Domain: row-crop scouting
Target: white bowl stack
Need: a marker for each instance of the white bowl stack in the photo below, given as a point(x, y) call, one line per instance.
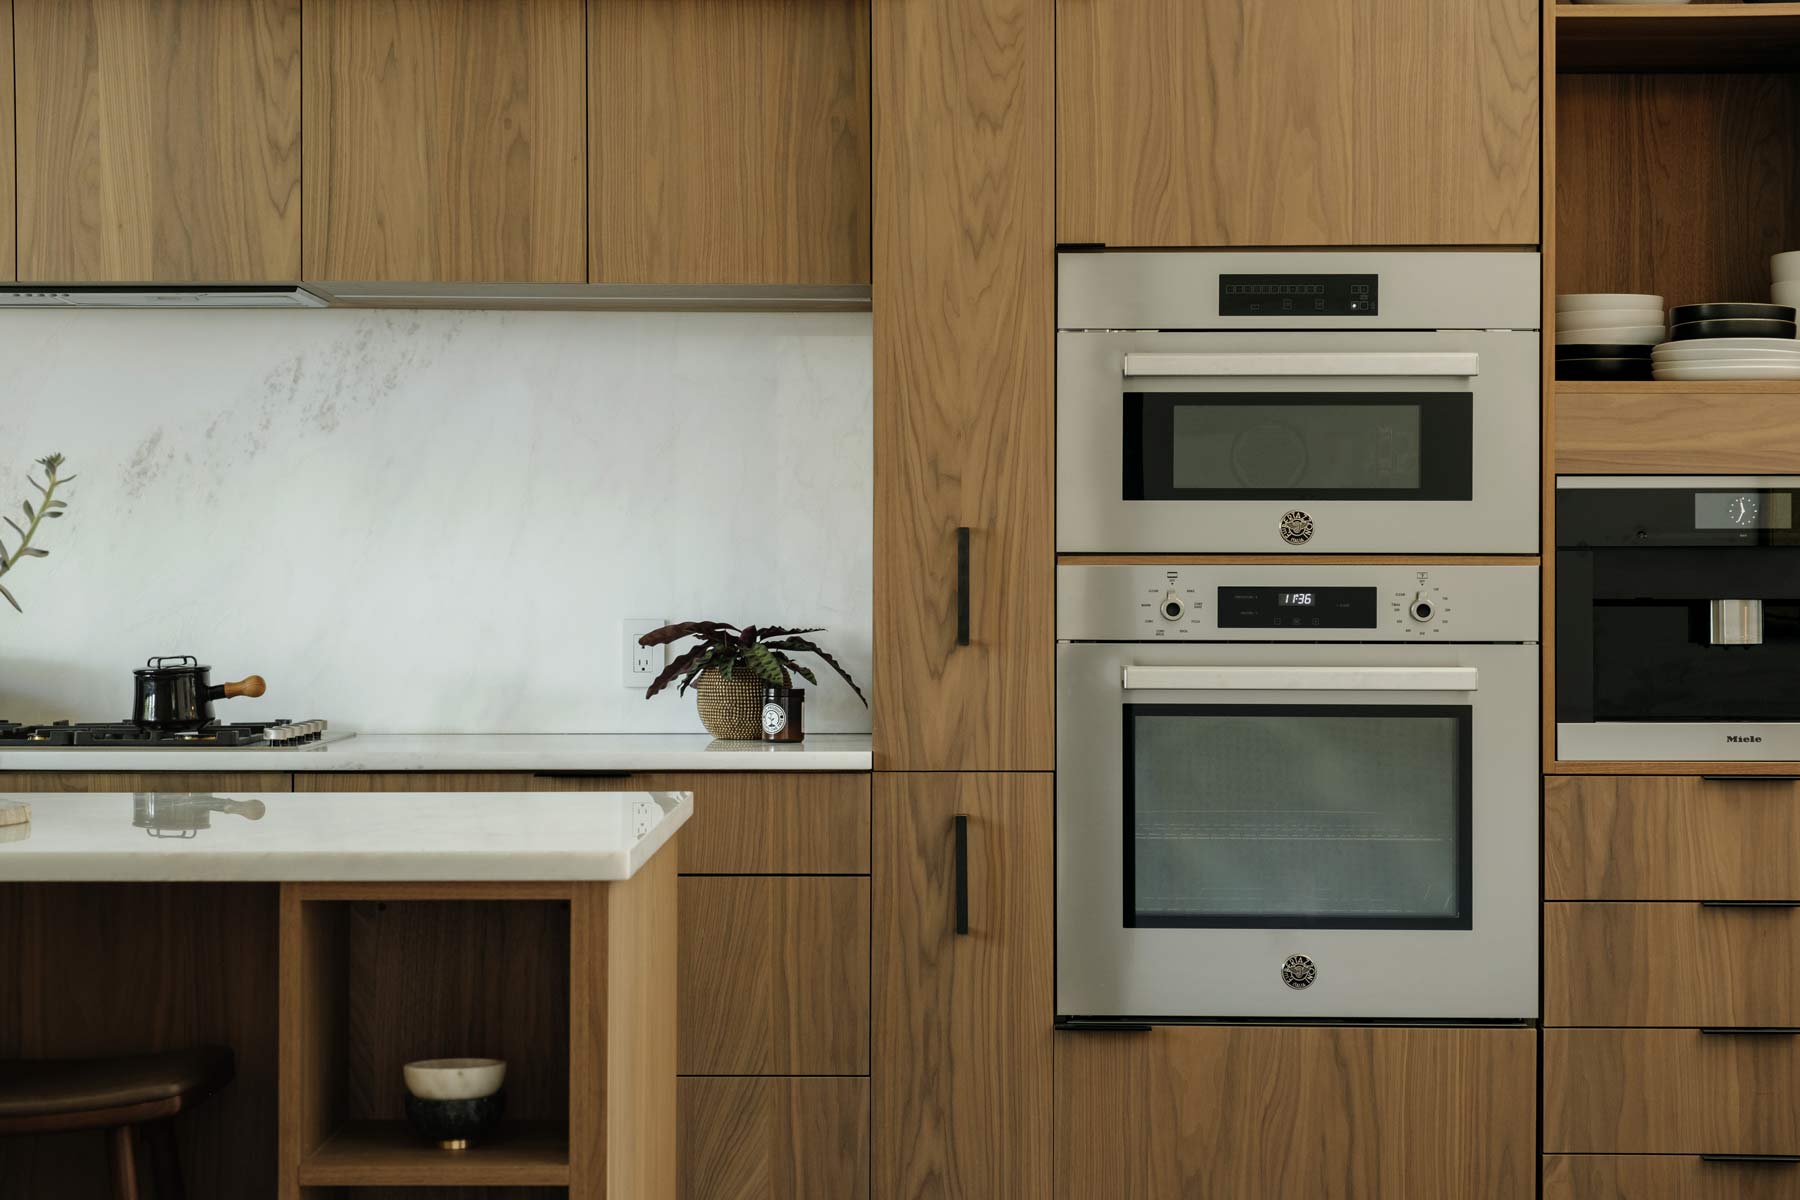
point(1785, 269)
point(1610, 319)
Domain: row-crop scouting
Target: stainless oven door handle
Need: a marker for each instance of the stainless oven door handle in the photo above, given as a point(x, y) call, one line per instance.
point(1300, 679)
point(1318, 365)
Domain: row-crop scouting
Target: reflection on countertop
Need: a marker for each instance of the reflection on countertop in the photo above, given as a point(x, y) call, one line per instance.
point(185, 814)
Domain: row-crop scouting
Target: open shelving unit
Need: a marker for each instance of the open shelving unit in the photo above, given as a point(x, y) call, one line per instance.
point(1681, 37)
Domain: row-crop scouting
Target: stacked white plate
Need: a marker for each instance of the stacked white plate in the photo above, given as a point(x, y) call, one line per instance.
point(1700, 359)
point(1610, 319)
point(1785, 269)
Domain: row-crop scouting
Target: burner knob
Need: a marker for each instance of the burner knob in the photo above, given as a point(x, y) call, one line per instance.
point(1422, 609)
point(1173, 607)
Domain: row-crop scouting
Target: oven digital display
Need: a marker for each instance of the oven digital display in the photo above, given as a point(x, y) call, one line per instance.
point(1294, 608)
point(1299, 295)
point(1743, 510)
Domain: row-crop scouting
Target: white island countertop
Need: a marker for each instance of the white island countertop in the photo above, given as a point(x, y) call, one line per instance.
point(338, 836)
point(567, 752)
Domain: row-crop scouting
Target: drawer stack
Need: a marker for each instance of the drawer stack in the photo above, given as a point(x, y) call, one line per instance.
point(1671, 988)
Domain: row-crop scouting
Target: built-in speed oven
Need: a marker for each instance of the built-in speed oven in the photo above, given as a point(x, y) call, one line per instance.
point(1297, 791)
point(1295, 402)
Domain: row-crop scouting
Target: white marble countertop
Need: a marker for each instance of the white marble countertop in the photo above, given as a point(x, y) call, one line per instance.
point(338, 836)
point(476, 752)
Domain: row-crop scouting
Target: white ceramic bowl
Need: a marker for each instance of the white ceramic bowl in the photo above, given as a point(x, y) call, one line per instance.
point(1584, 301)
point(1786, 292)
point(1689, 373)
point(454, 1078)
point(1702, 357)
point(1608, 318)
point(1785, 268)
point(1625, 335)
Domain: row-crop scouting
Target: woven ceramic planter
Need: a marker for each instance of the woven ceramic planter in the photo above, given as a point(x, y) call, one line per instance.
point(731, 709)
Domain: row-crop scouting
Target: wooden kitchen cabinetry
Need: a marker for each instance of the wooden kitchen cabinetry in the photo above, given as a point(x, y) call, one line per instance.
point(964, 332)
point(157, 142)
point(962, 1020)
point(729, 142)
point(9, 263)
point(445, 141)
point(1255, 1112)
point(1297, 122)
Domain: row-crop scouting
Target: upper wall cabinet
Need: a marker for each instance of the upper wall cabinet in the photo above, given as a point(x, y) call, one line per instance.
point(8, 260)
point(729, 141)
point(1297, 122)
point(445, 141)
point(157, 142)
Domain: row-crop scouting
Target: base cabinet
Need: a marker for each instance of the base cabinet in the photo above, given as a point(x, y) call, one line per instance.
point(1267, 1112)
point(1666, 1177)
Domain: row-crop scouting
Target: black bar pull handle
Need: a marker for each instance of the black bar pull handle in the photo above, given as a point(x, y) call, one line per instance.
point(1751, 1031)
point(962, 585)
point(1078, 1025)
point(961, 826)
point(1750, 904)
point(1751, 778)
point(581, 774)
point(1755, 1160)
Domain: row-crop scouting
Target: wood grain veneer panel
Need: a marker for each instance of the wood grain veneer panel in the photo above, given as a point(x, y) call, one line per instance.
point(962, 1070)
point(774, 1139)
point(1740, 427)
point(1672, 837)
point(1669, 1091)
point(774, 975)
point(729, 141)
point(1675, 184)
point(313, 1022)
point(1226, 1112)
point(744, 823)
point(145, 781)
point(158, 140)
point(98, 969)
point(446, 141)
point(9, 212)
point(1663, 1177)
point(964, 324)
point(1670, 964)
point(1296, 122)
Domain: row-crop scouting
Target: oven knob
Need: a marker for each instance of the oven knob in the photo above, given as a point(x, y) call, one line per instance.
point(1422, 609)
point(1172, 608)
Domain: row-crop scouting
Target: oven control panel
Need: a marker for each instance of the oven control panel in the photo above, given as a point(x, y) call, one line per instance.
point(1299, 295)
point(1386, 602)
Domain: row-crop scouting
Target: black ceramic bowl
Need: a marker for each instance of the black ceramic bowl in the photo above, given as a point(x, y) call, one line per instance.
point(455, 1124)
point(1601, 350)
point(1730, 312)
point(1732, 328)
point(1603, 368)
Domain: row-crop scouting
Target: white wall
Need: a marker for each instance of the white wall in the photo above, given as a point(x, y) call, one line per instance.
point(430, 521)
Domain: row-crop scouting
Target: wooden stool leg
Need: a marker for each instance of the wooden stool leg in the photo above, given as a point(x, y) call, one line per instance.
point(123, 1145)
point(165, 1162)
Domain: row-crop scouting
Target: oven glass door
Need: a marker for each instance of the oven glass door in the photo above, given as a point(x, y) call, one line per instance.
point(1339, 816)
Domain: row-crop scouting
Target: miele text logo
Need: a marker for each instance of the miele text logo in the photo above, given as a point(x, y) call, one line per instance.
point(1742, 737)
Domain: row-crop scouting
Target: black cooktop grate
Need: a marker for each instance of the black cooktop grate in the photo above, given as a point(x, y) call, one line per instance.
point(124, 733)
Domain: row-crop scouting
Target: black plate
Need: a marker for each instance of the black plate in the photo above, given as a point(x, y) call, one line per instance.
point(1603, 368)
point(1600, 350)
point(1730, 312)
point(1732, 329)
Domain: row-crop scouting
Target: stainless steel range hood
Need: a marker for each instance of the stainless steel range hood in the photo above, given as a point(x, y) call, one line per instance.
point(132, 295)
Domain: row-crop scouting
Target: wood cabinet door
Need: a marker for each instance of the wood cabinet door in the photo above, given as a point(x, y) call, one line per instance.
point(158, 142)
point(962, 1021)
point(446, 141)
point(1267, 1112)
point(964, 299)
point(729, 142)
point(774, 1139)
point(1297, 122)
point(9, 263)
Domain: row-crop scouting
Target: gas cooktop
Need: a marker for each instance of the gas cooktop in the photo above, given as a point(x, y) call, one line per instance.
point(273, 735)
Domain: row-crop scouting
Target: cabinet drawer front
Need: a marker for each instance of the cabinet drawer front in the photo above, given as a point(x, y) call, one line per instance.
point(1670, 1091)
point(1665, 1177)
point(1671, 964)
point(1671, 838)
point(774, 975)
point(773, 1139)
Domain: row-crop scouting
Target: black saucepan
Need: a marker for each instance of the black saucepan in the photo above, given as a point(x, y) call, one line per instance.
point(173, 696)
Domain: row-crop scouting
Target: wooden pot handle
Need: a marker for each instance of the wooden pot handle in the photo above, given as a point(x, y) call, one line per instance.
point(250, 685)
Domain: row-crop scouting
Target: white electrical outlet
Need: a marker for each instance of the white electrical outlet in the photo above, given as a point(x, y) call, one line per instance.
point(640, 665)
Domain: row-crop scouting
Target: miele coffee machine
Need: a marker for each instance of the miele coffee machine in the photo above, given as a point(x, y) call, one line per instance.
point(1678, 618)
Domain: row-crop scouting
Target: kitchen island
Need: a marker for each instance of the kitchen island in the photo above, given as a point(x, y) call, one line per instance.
point(328, 938)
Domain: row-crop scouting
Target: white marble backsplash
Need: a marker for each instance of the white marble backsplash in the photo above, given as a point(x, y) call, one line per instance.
point(430, 522)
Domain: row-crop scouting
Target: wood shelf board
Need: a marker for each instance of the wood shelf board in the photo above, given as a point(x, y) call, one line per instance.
point(1680, 37)
point(390, 1154)
point(1733, 427)
point(1620, 767)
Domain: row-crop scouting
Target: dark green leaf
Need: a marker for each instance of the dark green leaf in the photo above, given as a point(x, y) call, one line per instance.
point(53, 515)
point(29, 514)
point(34, 552)
point(14, 524)
point(10, 600)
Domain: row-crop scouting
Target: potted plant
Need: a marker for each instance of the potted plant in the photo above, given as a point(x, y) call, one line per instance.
point(48, 507)
point(728, 668)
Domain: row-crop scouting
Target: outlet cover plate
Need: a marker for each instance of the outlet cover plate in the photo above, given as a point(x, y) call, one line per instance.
point(640, 665)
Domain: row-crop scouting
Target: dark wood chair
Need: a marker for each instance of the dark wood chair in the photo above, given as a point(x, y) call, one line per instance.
point(118, 1095)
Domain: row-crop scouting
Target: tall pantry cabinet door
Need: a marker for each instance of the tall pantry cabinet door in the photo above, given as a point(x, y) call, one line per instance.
point(446, 141)
point(157, 142)
point(962, 1021)
point(964, 297)
point(9, 262)
point(1297, 122)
